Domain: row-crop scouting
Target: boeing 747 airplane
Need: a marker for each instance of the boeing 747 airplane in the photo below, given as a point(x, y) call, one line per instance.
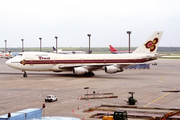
point(85, 64)
point(59, 51)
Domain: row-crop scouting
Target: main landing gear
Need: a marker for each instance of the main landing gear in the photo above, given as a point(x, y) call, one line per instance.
point(24, 74)
point(89, 74)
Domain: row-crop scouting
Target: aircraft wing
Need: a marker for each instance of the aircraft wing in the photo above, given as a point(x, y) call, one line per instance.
point(93, 67)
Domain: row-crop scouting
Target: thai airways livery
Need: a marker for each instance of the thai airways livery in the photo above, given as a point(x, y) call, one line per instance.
point(85, 64)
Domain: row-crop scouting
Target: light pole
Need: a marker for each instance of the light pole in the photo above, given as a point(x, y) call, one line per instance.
point(40, 43)
point(89, 35)
point(22, 45)
point(5, 46)
point(56, 42)
point(129, 32)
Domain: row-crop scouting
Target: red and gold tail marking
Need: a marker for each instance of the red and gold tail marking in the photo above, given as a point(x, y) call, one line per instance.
point(152, 44)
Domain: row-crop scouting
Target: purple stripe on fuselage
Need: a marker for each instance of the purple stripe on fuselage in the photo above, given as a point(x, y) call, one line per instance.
point(82, 61)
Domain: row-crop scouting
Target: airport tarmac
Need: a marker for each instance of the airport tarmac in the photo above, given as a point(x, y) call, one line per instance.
point(17, 92)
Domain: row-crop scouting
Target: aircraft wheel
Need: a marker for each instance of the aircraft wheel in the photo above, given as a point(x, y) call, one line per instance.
point(24, 75)
point(89, 74)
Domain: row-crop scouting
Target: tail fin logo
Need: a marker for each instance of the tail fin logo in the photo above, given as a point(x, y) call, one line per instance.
point(152, 44)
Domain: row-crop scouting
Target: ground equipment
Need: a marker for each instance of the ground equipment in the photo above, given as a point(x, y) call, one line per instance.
point(118, 115)
point(167, 115)
point(131, 100)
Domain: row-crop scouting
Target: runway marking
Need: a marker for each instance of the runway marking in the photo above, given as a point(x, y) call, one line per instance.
point(159, 98)
point(162, 80)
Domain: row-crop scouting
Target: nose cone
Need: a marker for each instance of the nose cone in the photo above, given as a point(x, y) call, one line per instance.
point(13, 63)
point(8, 63)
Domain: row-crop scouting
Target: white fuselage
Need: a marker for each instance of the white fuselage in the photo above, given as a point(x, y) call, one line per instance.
point(41, 61)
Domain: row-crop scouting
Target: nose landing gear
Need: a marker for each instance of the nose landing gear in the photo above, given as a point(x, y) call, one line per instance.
point(24, 74)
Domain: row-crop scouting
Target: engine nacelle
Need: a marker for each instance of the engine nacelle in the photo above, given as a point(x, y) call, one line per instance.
point(113, 69)
point(80, 71)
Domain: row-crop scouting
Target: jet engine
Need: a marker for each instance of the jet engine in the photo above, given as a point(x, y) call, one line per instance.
point(113, 69)
point(80, 71)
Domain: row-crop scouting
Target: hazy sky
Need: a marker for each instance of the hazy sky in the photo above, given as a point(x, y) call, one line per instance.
point(71, 20)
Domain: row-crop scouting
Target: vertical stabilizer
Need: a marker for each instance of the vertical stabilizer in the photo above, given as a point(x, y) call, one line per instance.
point(150, 45)
point(112, 49)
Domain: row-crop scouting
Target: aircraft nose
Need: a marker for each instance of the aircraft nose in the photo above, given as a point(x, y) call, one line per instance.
point(8, 62)
point(14, 63)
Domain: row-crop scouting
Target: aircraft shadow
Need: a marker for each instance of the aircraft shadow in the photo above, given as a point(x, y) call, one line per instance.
point(98, 76)
point(70, 75)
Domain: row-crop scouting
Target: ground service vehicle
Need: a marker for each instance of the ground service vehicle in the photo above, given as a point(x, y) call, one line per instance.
point(118, 115)
point(50, 98)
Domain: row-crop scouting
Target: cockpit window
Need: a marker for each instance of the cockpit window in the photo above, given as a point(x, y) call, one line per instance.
point(20, 55)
